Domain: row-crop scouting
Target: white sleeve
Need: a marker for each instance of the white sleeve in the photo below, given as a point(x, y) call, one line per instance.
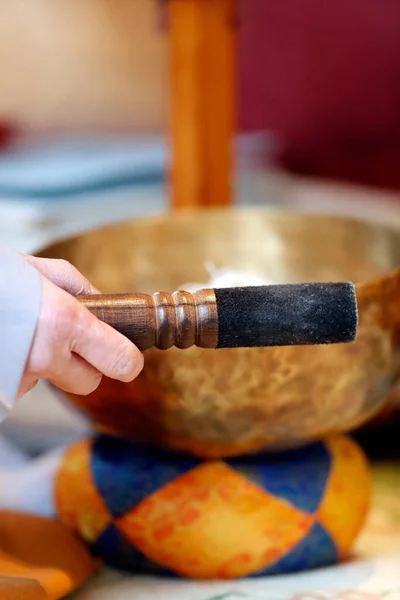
point(20, 295)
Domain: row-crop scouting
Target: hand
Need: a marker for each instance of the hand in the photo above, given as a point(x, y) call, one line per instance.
point(72, 348)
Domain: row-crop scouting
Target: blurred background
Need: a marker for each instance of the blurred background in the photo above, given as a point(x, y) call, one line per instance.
point(84, 107)
point(84, 101)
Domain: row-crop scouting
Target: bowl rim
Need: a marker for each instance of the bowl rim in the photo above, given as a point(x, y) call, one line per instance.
point(182, 214)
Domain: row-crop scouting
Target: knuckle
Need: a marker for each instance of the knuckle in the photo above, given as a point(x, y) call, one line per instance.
point(75, 282)
point(80, 327)
point(66, 268)
point(66, 323)
point(65, 317)
point(69, 273)
point(65, 264)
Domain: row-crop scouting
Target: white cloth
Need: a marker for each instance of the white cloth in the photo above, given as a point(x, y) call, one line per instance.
point(29, 487)
point(20, 295)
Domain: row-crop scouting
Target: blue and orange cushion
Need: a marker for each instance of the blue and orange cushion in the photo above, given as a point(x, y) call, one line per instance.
point(146, 510)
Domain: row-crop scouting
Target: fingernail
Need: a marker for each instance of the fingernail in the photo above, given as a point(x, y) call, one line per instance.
point(88, 290)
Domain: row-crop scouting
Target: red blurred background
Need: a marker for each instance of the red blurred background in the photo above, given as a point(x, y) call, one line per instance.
point(325, 76)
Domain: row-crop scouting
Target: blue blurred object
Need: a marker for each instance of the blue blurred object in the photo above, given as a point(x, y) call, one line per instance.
point(54, 169)
point(55, 188)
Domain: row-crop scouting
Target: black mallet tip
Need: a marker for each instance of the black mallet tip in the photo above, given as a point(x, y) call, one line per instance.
point(283, 315)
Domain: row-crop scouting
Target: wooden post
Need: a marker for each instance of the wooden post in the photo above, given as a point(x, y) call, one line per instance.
point(202, 36)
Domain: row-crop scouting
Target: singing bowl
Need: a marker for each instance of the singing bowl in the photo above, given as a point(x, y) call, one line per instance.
point(220, 403)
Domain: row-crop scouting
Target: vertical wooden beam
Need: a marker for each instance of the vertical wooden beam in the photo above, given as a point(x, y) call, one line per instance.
point(202, 37)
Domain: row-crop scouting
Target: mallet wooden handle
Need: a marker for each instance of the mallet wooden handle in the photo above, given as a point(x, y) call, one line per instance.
point(162, 320)
point(277, 315)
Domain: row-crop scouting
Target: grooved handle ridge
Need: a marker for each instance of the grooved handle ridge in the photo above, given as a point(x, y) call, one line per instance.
point(161, 320)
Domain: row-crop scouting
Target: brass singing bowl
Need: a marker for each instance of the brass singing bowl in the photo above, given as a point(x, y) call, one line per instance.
point(217, 403)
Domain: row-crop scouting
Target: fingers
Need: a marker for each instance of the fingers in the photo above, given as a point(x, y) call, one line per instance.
point(73, 349)
point(76, 376)
point(73, 375)
point(106, 349)
point(62, 274)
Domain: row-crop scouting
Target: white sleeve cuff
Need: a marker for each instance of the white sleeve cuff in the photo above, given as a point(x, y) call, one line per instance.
point(20, 296)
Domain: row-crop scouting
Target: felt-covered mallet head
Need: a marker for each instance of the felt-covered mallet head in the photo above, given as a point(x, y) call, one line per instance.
point(283, 315)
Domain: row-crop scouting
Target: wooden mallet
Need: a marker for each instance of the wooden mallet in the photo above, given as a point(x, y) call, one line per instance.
point(273, 315)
